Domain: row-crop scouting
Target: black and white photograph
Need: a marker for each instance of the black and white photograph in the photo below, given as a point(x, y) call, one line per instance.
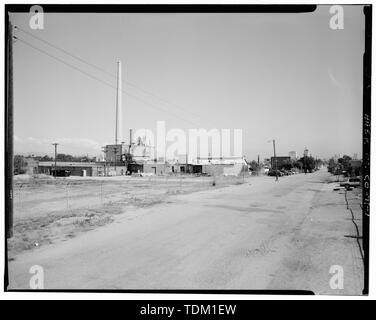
point(187, 148)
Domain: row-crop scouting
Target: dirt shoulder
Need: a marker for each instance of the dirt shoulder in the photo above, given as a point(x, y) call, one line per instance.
point(326, 239)
point(48, 210)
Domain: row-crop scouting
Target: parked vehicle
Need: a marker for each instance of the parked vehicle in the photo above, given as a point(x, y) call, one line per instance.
point(351, 182)
point(286, 172)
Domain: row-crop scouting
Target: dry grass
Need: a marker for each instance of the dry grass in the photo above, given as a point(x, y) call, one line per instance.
point(47, 210)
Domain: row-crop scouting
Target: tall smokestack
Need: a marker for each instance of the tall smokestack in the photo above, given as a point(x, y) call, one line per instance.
point(118, 126)
point(130, 140)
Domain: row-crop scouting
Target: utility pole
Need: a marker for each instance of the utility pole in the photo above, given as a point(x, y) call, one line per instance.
point(118, 124)
point(275, 161)
point(55, 144)
point(104, 149)
point(243, 169)
point(115, 152)
point(9, 135)
point(305, 160)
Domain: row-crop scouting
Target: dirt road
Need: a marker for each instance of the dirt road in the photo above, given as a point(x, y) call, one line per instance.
point(258, 235)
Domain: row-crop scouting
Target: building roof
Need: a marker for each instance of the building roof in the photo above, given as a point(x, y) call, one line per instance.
point(68, 164)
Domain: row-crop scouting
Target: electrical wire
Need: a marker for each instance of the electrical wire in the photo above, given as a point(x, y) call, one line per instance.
point(102, 81)
point(165, 101)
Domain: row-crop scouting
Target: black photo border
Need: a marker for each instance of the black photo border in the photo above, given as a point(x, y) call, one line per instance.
point(188, 8)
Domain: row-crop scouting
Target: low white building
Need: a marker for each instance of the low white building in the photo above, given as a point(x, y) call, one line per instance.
point(293, 155)
point(219, 160)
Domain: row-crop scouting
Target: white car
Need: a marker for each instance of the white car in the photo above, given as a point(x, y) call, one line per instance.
point(351, 182)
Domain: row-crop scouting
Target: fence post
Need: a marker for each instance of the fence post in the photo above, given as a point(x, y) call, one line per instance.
point(101, 195)
point(67, 195)
point(20, 196)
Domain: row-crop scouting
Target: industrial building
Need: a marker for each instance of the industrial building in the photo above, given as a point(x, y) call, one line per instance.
point(114, 152)
point(137, 157)
point(280, 162)
point(76, 168)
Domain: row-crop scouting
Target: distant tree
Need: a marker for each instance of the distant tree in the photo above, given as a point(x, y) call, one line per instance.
point(19, 164)
point(344, 158)
point(307, 163)
point(311, 163)
point(345, 163)
point(331, 165)
point(67, 158)
point(357, 171)
point(45, 158)
point(298, 164)
point(287, 166)
point(254, 165)
point(64, 157)
point(81, 159)
point(319, 163)
point(84, 159)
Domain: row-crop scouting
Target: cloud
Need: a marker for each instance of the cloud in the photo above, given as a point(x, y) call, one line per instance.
point(77, 146)
point(17, 139)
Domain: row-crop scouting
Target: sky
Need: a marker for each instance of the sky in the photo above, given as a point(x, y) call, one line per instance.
point(287, 77)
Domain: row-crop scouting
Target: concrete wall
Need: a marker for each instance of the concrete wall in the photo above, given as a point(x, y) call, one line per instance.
point(225, 169)
point(157, 168)
point(116, 171)
point(180, 168)
point(213, 170)
point(236, 170)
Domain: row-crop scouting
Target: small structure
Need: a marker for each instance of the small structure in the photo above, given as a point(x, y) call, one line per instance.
point(221, 165)
point(75, 168)
point(293, 155)
point(280, 162)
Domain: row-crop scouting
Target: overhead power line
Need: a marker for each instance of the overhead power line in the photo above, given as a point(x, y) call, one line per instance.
point(65, 51)
point(165, 101)
point(102, 81)
point(64, 62)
